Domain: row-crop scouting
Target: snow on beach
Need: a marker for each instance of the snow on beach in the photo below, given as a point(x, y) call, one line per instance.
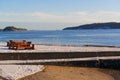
point(58, 48)
point(13, 72)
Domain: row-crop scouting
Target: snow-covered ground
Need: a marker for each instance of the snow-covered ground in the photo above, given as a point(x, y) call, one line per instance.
point(13, 72)
point(55, 48)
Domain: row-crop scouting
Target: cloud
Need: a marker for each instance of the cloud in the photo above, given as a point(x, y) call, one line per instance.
point(100, 16)
point(70, 17)
point(28, 17)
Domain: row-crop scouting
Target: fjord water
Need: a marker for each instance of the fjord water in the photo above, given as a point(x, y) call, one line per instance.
point(107, 37)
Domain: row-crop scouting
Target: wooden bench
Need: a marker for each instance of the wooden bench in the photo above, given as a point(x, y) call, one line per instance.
point(19, 44)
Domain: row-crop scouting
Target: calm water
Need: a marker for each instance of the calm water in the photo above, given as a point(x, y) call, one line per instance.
point(109, 37)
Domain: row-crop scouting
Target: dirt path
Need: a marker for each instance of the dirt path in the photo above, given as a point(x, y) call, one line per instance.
point(1, 78)
point(74, 73)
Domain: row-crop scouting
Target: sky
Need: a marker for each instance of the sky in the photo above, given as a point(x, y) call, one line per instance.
point(57, 14)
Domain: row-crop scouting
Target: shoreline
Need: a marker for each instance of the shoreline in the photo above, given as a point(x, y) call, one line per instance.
point(5, 43)
point(61, 48)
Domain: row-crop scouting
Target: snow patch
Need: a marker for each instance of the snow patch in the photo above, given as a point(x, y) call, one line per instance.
point(13, 72)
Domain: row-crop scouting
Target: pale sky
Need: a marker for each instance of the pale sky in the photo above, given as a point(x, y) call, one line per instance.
point(57, 14)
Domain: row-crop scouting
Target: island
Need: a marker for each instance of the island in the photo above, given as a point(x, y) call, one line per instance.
point(0, 29)
point(12, 28)
point(109, 25)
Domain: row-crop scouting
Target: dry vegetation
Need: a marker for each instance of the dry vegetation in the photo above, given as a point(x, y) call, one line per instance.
point(74, 73)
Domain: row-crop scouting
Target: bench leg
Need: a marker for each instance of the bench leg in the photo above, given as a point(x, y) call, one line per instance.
point(33, 47)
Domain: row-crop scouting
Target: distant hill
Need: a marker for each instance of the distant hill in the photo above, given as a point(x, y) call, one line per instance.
point(12, 28)
point(110, 25)
point(0, 29)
